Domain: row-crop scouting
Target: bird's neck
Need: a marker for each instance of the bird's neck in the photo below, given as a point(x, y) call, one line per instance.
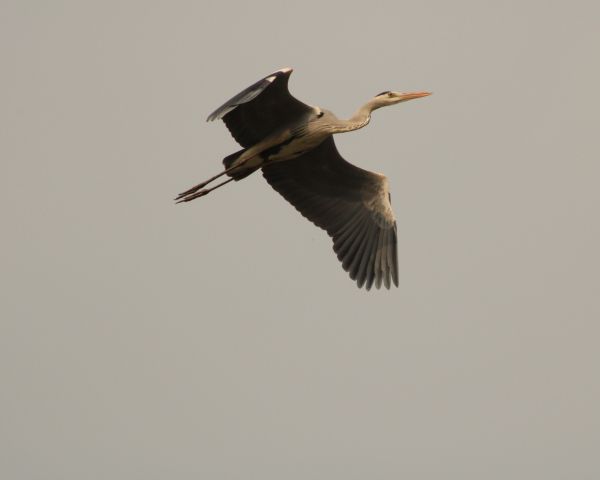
point(360, 118)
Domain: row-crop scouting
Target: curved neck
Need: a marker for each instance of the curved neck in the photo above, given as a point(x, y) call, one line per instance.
point(360, 118)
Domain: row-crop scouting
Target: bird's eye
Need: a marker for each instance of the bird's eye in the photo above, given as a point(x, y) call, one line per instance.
point(320, 114)
point(390, 94)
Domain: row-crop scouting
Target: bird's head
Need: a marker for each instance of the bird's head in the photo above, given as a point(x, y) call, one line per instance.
point(392, 98)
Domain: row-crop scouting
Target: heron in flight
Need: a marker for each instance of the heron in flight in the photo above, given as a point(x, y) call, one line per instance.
point(292, 143)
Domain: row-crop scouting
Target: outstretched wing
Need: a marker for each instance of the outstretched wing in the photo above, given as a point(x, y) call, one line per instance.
point(261, 109)
point(351, 204)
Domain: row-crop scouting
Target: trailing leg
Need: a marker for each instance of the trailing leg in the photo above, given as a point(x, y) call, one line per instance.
point(195, 194)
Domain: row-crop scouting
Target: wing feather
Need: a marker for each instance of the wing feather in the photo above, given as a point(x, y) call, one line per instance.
point(370, 274)
point(360, 254)
point(350, 203)
point(385, 259)
point(261, 109)
point(377, 263)
point(361, 273)
point(355, 243)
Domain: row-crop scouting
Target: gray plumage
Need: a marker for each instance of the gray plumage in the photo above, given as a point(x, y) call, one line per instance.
point(293, 145)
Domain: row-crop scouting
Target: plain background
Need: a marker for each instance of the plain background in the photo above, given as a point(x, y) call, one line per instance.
point(221, 339)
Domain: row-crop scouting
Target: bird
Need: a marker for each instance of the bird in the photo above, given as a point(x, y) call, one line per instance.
point(292, 143)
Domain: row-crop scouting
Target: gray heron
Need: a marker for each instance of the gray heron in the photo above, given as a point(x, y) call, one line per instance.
point(292, 143)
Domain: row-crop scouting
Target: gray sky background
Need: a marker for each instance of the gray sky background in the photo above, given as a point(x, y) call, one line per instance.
point(221, 339)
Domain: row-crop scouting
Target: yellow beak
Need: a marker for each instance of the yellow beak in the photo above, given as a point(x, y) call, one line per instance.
point(411, 96)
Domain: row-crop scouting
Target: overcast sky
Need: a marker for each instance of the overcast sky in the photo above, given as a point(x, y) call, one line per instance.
point(221, 339)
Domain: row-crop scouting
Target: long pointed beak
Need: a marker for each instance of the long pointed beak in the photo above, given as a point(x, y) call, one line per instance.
point(411, 96)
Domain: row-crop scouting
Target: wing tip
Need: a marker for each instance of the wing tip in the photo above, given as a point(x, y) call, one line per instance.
point(227, 107)
point(282, 72)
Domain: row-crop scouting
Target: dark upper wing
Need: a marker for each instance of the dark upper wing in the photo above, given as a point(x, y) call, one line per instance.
point(352, 204)
point(261, 109)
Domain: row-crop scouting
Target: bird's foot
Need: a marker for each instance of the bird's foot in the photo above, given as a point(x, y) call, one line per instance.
point(192, 190)
point(192, 193)
point(186, 197)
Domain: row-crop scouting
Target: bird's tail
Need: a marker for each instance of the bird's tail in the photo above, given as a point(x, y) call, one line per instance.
point(238, 173)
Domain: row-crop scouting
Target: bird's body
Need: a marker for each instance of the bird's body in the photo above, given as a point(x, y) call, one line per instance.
point(293, 144)
point(285, 144)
